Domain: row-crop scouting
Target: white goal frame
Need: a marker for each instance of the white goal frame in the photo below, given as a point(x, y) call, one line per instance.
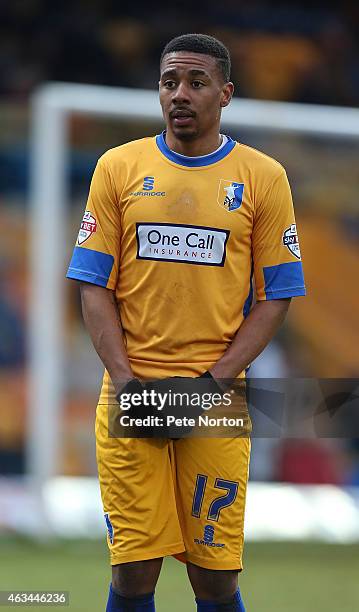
point(52, 104)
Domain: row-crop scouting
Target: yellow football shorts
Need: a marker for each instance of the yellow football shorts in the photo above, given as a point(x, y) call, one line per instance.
point(184, 498)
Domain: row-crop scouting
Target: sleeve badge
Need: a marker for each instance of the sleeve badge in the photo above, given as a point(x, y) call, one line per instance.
point(87, 228)
point(290, 240)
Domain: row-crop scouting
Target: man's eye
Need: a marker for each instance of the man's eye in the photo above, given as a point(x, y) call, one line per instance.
point(197, 84)
point(169, 84)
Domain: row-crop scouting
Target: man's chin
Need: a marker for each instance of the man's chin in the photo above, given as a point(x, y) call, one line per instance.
point(185, 134)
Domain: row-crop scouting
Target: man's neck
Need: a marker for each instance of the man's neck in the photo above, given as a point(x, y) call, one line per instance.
point(194, 148)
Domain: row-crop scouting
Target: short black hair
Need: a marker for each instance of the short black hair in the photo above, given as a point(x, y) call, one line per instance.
point(202, 43)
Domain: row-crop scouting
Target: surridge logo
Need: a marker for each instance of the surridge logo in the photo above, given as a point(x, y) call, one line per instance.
point(208, 538)
point(148, 188)
point(109, 526)
point(230, 194)
point(208, 533)
point(148, 183)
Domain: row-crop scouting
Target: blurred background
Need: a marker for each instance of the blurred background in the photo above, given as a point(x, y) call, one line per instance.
point(290, 52)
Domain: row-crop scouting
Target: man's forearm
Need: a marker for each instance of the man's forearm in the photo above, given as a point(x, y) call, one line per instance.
point(252, 337)
point(103, 324)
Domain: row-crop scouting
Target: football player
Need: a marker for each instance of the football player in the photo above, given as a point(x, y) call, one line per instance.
point(176, 229)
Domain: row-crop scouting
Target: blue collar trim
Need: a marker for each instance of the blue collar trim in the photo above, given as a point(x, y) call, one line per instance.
point(194, 162)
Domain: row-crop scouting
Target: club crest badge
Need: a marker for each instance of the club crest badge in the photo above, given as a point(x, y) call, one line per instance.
point(88, 227)
point(290, 240)
point(230, 194)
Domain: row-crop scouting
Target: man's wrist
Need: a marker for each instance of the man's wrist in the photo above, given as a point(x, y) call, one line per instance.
point(223, 384)
point(131, 385)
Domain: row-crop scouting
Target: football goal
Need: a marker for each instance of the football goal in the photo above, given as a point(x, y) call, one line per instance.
point(52, 107)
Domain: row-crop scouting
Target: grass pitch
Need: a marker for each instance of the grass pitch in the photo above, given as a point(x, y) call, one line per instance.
point(278, 577)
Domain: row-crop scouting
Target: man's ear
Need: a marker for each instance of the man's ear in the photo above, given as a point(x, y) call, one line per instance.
point(227, 94)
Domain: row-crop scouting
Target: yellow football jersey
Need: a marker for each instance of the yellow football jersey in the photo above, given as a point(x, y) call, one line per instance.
point(180, 241)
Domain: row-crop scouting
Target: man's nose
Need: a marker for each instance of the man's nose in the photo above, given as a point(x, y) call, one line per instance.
point(181, 94)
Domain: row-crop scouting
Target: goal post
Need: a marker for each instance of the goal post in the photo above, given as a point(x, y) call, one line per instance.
point(52, 104)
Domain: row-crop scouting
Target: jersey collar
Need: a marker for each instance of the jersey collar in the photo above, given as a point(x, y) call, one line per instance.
point(193, 162)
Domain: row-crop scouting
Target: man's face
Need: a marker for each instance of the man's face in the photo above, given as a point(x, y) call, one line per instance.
point(192, 94)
